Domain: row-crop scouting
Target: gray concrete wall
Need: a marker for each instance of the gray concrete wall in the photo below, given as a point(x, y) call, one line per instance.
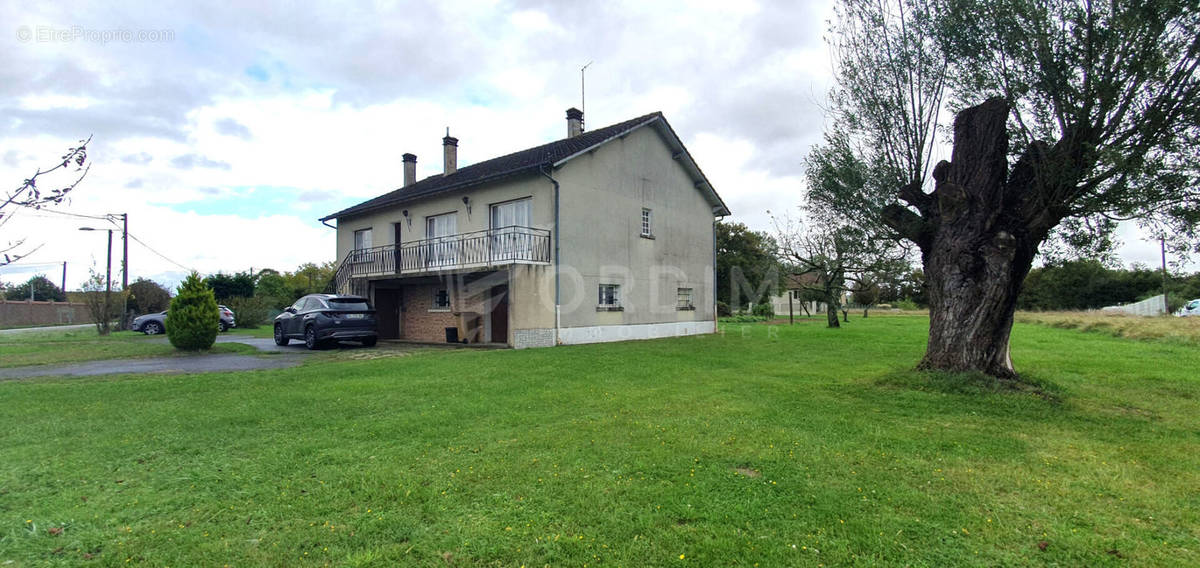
point(603, 193)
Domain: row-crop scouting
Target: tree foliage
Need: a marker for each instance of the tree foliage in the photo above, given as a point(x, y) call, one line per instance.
point(1104, 106)
point(748, 270)
point(1086, 285)
point(226, 286)
point(192, 318)
point(31, 195)
point(103, 305)
point(44, 290)
point(148, 296)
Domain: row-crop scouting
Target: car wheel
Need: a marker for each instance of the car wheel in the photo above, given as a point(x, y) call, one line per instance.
point(222, 326)
point(370, 341)
point(152, 328)
point(310, 338)
point(280, 338)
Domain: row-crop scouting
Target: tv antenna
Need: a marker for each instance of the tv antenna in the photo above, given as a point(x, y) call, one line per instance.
point(582, 91)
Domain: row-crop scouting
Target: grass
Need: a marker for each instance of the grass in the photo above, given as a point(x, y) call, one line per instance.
point(1162, 328)
point(773, 445)
point(78, 345)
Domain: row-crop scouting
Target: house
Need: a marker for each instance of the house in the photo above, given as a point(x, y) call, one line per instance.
point(792, 299)
point(604, 235)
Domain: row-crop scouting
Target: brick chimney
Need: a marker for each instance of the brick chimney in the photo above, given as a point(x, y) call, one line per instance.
point(410, 169)
point(449, 153)
point(574, 122)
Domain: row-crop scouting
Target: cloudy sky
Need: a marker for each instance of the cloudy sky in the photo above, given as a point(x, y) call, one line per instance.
point(225, 133)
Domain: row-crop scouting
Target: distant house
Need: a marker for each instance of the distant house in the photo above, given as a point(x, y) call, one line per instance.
point(792, 296)
point(600, 236)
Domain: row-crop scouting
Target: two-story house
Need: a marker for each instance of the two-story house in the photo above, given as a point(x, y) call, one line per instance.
point(604, 235)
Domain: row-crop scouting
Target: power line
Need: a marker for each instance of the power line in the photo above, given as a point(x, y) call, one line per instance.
point(160, 255)
point(36, 213)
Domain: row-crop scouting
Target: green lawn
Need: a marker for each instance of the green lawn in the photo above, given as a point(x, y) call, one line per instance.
point(774, 446)
point(76, 345)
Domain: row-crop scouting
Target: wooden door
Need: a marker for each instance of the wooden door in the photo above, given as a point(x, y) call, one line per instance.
point(499, 314)
point(387, 313)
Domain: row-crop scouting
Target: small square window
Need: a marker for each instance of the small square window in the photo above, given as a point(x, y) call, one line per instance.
point(441, 299)
point(610, 297)
point(683, 299)
point(647, 220)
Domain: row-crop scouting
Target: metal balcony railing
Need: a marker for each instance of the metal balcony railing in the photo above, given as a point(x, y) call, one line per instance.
point(481, 249)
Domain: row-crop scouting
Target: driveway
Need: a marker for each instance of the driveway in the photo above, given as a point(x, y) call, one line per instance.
point(291, 356)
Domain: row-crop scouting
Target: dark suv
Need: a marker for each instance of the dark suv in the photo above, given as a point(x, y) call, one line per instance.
point(319, 319)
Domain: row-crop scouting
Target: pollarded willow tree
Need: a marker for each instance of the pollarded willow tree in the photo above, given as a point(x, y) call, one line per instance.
point(1075, 115)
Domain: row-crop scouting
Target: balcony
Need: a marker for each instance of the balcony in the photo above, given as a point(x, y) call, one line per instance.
point(478, 250)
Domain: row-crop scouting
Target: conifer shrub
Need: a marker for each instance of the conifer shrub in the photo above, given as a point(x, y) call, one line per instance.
point(192, 317)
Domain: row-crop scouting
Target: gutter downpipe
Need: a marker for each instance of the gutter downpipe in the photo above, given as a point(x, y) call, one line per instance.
point(557, 287)
point(716, 317)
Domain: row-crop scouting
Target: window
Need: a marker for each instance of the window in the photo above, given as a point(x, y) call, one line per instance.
point(362, 242)
point(610, 297)
point(441, 230)
point(647, 218)
point(796, 295)
point(362, 239)
point(510, 239)
point(441, 300)
point(683, 299)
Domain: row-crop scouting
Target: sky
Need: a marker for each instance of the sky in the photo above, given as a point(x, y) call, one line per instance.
point(225, 132)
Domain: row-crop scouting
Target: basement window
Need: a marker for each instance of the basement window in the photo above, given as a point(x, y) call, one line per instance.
point(683, 299)
point(610, 298)
point(441, 300)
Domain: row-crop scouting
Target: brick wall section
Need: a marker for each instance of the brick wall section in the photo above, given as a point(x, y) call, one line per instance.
point(466, 313)
point(26, 313)
point(420, 324)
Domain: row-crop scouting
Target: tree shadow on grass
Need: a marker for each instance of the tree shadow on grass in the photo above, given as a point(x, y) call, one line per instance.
point(973, 384)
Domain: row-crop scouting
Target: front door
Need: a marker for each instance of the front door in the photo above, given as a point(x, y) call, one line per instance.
point(499, 314)
point(387, 313)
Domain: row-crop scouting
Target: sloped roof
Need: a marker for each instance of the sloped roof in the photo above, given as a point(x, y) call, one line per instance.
point(531, 160)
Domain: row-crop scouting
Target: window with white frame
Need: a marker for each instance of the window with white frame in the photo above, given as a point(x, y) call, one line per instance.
point(441, 300)
point(683, 299)
point(610, 297)
point(647, 223)
point(440, 230)
point(510, 229)
point(362, 242)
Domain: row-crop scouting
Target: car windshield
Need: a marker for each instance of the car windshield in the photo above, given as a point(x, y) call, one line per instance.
point(348, 304)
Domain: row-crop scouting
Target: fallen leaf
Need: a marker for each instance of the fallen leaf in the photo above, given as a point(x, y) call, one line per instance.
point(54, 531)
point(1042, 545)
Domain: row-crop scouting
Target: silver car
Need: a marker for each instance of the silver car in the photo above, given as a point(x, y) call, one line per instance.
point(154, 324)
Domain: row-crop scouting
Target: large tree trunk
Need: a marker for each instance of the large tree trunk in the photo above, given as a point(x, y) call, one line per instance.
point(978, 232)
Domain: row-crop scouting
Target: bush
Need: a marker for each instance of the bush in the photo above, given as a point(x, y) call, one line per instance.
point(250, 312)
point(723, 310)
point(764, 310)
point(192, 318)
point(148, 296)
point(907, 305)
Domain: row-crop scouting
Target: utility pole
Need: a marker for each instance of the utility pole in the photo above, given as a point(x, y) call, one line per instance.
point(125, 252)
point(64, 278)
